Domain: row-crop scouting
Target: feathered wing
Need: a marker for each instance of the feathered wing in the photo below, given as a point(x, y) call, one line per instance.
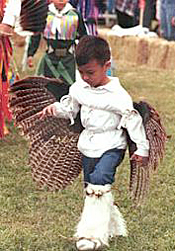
point(155, 132)
point(33, 16)
point(31, 19)
point(53, 155)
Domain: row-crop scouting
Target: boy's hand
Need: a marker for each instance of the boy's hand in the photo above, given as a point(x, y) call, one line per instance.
point(139, 159)
point(6, 30)
point(48, 110)
point(30, 61)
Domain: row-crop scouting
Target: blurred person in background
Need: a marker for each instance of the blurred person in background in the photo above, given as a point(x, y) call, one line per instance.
point(149, 13)
point(126, 12)
point(64, 27)
point(111, 6)
point(8, 18)
point(167, 19)
point(89, 10)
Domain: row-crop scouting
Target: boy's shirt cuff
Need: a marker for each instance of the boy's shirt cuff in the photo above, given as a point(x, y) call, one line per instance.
point(9, 20)
point(142, 152)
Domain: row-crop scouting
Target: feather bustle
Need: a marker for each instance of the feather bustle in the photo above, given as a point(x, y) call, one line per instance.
point(33, 15)
point(53, 155)
point(156, 135)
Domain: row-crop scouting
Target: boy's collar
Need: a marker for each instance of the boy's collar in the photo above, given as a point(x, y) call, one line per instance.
point(111, 86)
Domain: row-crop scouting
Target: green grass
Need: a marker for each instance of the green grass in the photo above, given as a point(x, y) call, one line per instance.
point(35, 220)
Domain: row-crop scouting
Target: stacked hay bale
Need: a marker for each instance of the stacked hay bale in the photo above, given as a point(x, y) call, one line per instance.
point(151, 52)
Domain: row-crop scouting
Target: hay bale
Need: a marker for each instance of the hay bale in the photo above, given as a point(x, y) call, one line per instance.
point(171, 56)
point(158, 50)
point(151, 52)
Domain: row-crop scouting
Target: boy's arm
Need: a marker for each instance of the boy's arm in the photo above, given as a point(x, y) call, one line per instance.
point(66, 108)
point(33, 46)
point(132, 121)
point(81, 26)
point(12, 12)
point(6, 30)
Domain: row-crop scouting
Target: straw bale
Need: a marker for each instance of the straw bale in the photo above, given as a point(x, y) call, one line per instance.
point(151, 52)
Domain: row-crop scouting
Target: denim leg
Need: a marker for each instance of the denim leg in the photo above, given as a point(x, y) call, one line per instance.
point(101, 171)
point(88, 167)
point(167, 13)
point(110, 6)
point(170, 14)
point(163, 18)
point(148, 13)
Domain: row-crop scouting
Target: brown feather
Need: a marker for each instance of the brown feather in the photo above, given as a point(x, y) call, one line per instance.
point(53, 155)
point(33, 15)
point(155, 132)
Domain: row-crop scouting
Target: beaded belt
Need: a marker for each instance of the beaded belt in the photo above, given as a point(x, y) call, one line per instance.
point(61, 52)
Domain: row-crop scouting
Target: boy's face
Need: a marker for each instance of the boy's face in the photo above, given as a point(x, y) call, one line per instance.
point(59, 3)
point(93, 73)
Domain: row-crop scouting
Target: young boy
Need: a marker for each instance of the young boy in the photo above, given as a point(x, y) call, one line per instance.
point(64, 27)
point(106, 108)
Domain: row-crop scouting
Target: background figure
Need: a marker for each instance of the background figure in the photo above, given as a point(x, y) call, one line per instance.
point(63, 27)
point(5, 57)
point(89, 10)
point(111, 6)
point(149, 13)
point(167, 19)
point(126, 13)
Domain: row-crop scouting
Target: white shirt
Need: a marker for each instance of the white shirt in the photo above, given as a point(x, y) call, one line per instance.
point(105, 111)
point(11, 17)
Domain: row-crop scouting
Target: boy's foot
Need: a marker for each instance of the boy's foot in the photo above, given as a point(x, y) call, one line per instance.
point(84, 244)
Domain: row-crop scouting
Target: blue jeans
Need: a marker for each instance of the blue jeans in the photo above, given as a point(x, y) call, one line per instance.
point(167, 12)
point(101, 171)
point(111, 6)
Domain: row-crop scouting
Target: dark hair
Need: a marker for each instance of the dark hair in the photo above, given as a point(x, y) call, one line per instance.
point(92, 47)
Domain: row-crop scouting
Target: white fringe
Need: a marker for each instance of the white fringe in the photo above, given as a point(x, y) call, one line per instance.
point(100, 219)
point(117, 224)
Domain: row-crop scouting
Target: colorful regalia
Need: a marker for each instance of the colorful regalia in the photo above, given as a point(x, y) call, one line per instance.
point(62, 30)
point(90, 11)
point(24, 17)
point(5, 56)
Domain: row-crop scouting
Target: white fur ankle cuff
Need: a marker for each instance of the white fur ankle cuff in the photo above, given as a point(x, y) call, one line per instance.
point(88, 244)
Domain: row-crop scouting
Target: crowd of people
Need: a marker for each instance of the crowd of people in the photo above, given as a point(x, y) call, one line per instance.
point(133, 12)
point(129, 13)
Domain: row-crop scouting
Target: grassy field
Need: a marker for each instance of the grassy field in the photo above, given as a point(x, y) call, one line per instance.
point(34, 220)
